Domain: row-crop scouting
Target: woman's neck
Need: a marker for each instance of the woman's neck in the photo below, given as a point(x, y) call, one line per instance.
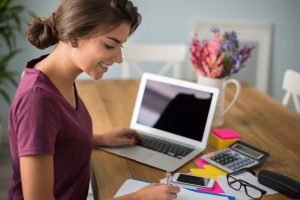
point(59, 67)
point(62, 72)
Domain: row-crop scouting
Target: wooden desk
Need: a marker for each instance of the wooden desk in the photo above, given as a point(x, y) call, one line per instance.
point(261, 121)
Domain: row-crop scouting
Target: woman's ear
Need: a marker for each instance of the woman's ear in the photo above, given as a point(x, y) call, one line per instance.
point(74, 42)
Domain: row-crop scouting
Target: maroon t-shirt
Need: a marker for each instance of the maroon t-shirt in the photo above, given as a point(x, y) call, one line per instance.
point(41, 121)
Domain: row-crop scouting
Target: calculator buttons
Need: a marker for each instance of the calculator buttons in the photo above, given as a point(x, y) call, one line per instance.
point(229, 160)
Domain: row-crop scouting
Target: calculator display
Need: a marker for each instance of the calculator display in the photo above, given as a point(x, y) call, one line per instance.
point(250, 152)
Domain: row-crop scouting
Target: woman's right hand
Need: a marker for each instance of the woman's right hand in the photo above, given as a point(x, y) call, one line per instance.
point(155, 191)
point(158, 191)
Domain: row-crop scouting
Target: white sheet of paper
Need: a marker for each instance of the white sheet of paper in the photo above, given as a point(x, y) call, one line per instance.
point(90, 193)
point(132, 185)
point(241, 195)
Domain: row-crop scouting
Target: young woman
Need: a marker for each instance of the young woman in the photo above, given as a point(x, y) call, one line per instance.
point(50, 128)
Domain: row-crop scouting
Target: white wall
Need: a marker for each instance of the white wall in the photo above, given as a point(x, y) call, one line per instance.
point(171, 21)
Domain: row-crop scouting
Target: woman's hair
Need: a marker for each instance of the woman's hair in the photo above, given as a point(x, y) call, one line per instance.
point(81, 19)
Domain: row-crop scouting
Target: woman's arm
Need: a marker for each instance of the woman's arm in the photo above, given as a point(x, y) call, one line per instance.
point(37, 176)
point(125, 136)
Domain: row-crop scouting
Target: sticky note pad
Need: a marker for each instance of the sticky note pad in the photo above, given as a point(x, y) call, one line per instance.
point(219, 143)
point(226, 134)
point(209, 171)
point(223, 138)
point(214, 170)
point(203, 173)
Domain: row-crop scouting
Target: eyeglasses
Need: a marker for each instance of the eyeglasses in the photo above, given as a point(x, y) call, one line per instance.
point(251, 190)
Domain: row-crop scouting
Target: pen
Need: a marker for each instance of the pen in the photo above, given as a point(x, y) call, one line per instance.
point(168, 177)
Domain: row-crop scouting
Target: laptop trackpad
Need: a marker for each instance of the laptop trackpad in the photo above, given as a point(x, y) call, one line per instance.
point(137, 153)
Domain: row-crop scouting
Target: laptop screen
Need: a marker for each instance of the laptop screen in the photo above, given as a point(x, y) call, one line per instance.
point(174, 109)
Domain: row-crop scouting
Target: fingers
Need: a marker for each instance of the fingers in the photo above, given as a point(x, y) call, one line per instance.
point(173, 196)
point(138, 138)
point(121, 136)
point(159, 191)
point(128, 133)
point(125, 141)
point(171, 190)
point(174, 189)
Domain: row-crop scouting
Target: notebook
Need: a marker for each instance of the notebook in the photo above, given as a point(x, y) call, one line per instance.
point(174, 117)
point(132, 185)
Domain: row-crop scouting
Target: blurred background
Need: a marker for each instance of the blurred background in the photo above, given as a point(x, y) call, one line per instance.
point(172, 21)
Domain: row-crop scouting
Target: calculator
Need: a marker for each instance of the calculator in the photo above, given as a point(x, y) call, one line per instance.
point(239, 155)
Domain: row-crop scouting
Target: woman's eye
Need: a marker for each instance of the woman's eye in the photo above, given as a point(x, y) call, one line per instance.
point(109, 46)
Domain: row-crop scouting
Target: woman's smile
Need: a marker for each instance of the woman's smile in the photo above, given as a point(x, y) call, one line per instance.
point(103, 66)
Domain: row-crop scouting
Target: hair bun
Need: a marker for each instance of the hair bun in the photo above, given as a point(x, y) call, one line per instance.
point(42, 32)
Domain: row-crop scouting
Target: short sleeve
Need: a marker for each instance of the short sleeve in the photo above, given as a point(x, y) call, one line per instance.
point(37, 123)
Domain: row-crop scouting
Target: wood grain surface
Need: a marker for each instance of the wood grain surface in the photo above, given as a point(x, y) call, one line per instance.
point(262, 122)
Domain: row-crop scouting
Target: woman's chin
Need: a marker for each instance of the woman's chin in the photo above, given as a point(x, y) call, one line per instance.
point(97, 77)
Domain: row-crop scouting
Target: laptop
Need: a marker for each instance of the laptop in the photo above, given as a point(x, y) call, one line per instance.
point(174, 118)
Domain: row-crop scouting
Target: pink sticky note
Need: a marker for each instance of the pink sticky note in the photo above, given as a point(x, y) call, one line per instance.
point(226, 134)
point(201, 163)
point(215, 189)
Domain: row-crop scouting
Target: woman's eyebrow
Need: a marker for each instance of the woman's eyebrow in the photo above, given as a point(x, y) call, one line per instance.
point(115, 40)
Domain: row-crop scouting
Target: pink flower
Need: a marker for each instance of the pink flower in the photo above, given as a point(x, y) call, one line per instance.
point(205, 57)
point(218, 57)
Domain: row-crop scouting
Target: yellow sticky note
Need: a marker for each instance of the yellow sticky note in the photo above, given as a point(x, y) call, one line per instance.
point(202, 173)
point(209, 171)
point(214, 170)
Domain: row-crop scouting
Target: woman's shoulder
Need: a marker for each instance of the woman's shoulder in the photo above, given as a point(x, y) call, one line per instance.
point(36, 83)
point(35, 90)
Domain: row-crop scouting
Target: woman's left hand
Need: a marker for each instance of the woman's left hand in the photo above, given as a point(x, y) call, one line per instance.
point(119, 136)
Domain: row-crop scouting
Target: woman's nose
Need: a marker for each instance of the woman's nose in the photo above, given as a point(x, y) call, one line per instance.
point(118, 57)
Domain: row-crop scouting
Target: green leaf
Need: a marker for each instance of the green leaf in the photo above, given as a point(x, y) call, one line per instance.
point(17, 21)
point(8, 79)
point(8, 74)
point(6, 58)
point(10, 24)
point(7, 36)
point(5, 95)
point(14, 12)
point(4, 3)
point(16, 9)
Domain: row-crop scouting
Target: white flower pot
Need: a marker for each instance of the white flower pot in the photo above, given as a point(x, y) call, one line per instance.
point(221, 84)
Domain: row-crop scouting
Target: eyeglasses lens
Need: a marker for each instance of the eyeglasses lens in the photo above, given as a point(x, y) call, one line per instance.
point(234, 183)
point(253, 193)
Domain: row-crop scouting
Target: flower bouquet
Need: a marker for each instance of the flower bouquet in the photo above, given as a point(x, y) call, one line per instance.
point(219, 57)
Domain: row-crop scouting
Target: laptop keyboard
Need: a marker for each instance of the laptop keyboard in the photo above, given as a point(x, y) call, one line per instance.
point(169, 148)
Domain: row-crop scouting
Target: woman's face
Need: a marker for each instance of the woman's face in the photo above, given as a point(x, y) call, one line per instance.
point(95, 55)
